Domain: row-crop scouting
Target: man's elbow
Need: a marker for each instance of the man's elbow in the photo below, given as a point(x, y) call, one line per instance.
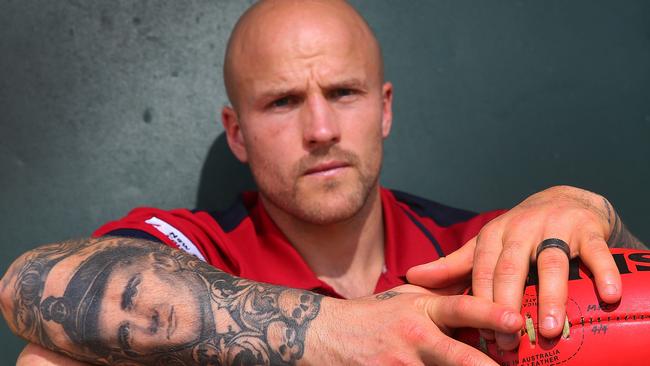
point(6, 294)
point(8, 289)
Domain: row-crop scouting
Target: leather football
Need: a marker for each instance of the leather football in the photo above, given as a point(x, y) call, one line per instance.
point(595, 333)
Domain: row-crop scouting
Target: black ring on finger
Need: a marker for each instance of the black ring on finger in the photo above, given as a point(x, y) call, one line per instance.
point(554, 243)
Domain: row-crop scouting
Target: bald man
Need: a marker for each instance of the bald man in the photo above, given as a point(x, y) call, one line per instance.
point(310, 110)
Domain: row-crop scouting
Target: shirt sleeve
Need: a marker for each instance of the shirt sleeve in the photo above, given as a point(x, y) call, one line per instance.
point(181, 229)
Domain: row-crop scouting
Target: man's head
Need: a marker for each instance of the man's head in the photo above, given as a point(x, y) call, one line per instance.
point(310, 108)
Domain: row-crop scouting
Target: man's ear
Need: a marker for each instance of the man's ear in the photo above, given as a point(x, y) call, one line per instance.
point(233, 133)
point(387, 110)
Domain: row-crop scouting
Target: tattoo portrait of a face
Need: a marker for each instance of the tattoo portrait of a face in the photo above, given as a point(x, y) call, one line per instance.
point(116, 308)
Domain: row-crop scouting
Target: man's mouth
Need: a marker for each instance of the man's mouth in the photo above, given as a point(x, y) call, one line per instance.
point(326, 168)
point(171, 323)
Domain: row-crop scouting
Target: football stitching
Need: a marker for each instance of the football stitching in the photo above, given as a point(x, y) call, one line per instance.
point(582, 337)
point(582, 334)
point(579, 325)
point(629, 317)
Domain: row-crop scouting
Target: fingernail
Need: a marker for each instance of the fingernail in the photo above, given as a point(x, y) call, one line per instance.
point(549, 322)
point(511, 319)
point(611, 289)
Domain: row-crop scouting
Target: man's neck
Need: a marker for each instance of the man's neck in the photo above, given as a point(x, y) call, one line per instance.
point(347, 255)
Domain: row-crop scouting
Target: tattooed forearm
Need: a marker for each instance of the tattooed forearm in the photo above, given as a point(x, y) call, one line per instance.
point(620, 237)
point(119, 300)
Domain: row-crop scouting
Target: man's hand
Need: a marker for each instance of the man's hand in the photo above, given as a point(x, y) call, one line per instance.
point(407, 326)
point(499, 257)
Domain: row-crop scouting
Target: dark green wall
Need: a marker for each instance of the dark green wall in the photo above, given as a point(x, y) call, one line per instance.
point(109, 105)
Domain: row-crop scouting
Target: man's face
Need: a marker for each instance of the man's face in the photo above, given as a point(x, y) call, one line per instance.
point(138, 312)
point(312, 115)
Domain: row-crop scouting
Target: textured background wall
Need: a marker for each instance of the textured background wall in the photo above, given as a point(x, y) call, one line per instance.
point(107, 105)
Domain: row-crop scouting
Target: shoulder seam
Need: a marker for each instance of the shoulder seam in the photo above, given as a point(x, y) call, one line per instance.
point(442, 215)
point(230, 218)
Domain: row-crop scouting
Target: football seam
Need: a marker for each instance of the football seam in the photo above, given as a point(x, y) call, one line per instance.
point(621, 318)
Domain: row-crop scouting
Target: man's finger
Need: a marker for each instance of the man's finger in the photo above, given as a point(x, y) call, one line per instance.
point(595, 254)
point(510, 279)
point(445, 271)
point(468, 311)
point(553, 269)
point(445, 351)
point(487, 252)
point(488, 248)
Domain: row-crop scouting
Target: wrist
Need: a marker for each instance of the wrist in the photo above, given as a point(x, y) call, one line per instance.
point(613, 220)
point(322, 342)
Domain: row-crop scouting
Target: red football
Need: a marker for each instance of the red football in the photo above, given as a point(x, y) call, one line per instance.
point(595, 333)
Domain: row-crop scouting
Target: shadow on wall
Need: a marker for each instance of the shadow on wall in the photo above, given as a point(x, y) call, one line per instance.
point(223, 177)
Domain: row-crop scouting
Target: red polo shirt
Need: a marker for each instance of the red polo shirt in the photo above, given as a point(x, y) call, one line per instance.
point(244, 240)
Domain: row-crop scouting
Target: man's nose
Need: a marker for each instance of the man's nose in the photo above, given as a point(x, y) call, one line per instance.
point(148, 323)
point(320, 123)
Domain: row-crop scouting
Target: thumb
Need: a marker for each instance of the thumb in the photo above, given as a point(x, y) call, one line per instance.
point(446, 271)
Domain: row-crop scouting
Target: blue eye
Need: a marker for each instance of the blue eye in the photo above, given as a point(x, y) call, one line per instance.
point(281, 102)
point(343, 92)
point(287, 101)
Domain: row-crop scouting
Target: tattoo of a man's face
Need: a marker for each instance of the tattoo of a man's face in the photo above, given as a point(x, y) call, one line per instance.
point(135, 301)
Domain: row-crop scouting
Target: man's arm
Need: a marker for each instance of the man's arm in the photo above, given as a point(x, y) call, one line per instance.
point(97, 300)
point(51, 294)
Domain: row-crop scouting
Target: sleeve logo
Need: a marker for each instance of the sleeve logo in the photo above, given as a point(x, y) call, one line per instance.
point(181, 241)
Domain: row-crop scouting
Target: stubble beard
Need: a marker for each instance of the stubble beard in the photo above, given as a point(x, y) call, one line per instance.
point(321, 203)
